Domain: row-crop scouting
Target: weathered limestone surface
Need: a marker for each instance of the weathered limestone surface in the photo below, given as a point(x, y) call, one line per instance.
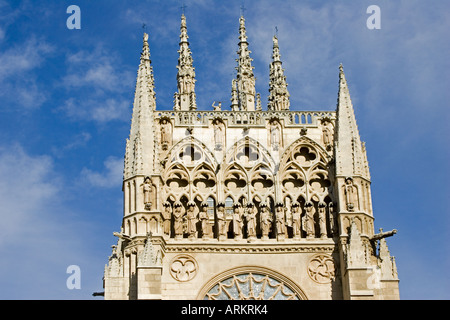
point(243, 203)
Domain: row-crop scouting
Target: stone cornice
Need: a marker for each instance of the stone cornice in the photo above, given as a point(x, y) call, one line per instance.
point(257, 246)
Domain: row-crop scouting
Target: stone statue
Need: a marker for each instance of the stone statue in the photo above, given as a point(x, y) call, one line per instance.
point(274, 135)
point(251, 220)
point(178, 214)
point(322, 220)
point(326, 137)
point(308, 220)
point(266, 221)
point(167, 214)
point(332, 219)
point(218, 107)
point(296, 221)
point(221, 222)
point(204, 219)
point(350, 194)
point(280, 221)
point(218, 134)
point(176, 102)
point(166, 134)
point(288, 211)
point(191, 216)
point(147, 189)
point(237, 221)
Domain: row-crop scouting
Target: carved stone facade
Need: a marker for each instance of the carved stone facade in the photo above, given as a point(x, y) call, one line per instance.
point(276, 201)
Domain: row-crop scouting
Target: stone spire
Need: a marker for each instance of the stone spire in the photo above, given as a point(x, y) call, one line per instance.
point(139, 153)
point(278, 92)
point(351, 158)
point(245, 77)
point(185, 97)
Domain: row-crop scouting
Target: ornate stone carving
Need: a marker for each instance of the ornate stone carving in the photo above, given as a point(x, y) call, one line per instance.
point(322, 220)
point(250, 286)
point(351, 197)
point(266, 221)
point(275, 136)
point(237, 220)
point(332, 219)
point(321, 268)
point(251, 220)
point(219, 134)
point(308, 220)
point(191, 219)
point(147, 187)
point(166, 134)
point(178, 214)
point(296, 220)
point(167, 214)
point(222, 223)
point(203, 216)
point(280, 221)
point(183, 268)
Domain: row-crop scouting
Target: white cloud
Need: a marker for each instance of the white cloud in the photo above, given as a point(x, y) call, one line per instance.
point(18, 81)
point(109, 178)
point(25, 188)
point(98, 69)
point(23, 57)
point(77, 141)
point(98, 110)
point(98, 77)
point(41, 234)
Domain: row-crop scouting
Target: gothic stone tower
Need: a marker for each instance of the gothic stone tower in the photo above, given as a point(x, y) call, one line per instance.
point(245, 203)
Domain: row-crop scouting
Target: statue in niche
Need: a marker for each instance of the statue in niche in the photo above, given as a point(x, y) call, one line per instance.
point(280, 221)
point(166, 134)
point(188, 83)
point(178, 214)
point(266, 221)
point(326, 137)
point(191, 217)
point(219, 134)
point(147, 187)
point(237, 221)
point(296, 221)
point(251, 220)
point(332, 219)
point(274, 135)
point(322, 220)
point(167, 214)
point(288, 211)
point(204, 219)
point(350, 194)
point(308, 220)
point(221, 221)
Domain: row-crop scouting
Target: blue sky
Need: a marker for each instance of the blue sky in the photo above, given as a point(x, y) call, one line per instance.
point(65, 110)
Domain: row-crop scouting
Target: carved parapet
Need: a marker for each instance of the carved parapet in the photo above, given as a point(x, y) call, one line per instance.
point(239, 118)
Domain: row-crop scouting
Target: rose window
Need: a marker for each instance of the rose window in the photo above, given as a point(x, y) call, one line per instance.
point(251, 286)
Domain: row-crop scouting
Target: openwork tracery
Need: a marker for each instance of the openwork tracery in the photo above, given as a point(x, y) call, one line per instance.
point(248, 196)
point(251, 283)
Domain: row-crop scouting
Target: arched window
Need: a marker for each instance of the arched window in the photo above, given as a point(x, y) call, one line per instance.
point(251, 283)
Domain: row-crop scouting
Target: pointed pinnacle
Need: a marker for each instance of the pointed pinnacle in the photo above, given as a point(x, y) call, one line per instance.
point(145, 55)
